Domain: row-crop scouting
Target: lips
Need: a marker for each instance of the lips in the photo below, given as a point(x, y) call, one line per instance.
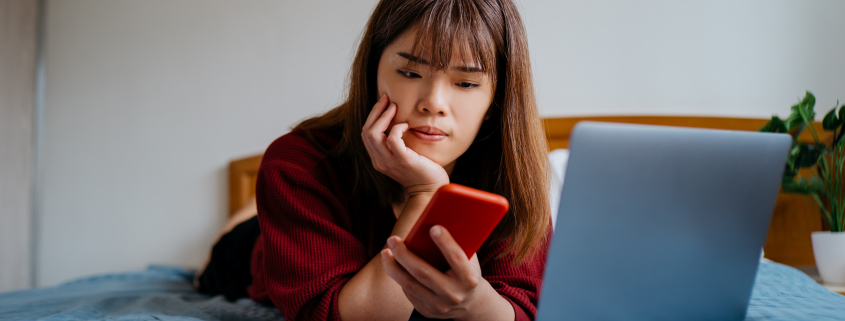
point(429, 130)
point(428, 133)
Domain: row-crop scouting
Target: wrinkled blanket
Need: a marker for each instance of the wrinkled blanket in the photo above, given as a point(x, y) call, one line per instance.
point(165, 293)
point(784, 293)
point(159, 293)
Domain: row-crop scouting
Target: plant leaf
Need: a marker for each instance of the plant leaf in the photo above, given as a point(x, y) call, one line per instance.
point(794, 123)
point(775, 125)
point(806, 112)
point(787, 178)
point(798, 187)
point(830, 121)
point(792, 158)
point(841, 114)
point(806, 155)
point(795, 150)
point(789, 173)
point(808, 102)
point(817, 185)
point(812, 156)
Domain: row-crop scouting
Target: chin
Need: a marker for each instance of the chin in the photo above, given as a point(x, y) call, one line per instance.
point(429, 152)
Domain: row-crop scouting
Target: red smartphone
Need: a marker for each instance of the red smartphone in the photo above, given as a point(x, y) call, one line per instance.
point(470, 215)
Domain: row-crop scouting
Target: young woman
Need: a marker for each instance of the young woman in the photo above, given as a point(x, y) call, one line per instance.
point(440, 92)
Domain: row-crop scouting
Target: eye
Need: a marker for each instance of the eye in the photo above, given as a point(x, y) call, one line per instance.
point(466, 85)
point(409, 74)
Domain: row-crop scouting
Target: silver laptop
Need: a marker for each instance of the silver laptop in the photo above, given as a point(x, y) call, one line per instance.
point(661, 223)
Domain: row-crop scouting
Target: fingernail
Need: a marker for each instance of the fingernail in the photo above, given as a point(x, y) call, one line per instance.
point(391, 242)
point(382, 96)
point(435, 231)
point(384, 254)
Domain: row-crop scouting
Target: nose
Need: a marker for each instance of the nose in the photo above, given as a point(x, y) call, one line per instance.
point(435, 100)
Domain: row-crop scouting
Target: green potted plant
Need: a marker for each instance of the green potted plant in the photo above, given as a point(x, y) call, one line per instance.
point(824, 186)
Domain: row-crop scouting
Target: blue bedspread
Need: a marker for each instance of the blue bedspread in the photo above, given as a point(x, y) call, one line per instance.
point(159, 293)
point(784, 293)
point(165, 293)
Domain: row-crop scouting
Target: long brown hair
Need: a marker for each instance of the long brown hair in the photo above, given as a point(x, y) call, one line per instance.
point(508, 156)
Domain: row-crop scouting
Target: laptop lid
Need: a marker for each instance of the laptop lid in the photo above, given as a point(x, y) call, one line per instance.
point(661, 223)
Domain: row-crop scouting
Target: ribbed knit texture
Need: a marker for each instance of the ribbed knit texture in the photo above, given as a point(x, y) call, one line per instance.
point(315, 237)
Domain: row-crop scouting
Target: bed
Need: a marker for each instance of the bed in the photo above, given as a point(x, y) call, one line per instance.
point(781, 292)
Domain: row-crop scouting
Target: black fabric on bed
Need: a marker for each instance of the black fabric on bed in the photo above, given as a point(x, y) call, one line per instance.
point(228, 271)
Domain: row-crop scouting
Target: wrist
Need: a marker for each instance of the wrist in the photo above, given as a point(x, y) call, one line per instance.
point(423, 189)
point(412, 210)
point(490, 305)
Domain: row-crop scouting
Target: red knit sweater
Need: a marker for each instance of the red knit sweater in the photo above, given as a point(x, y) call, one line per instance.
point(315, 236)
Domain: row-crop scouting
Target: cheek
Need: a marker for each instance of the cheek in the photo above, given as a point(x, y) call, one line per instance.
point(384, 77)
point(403, 95)
point(381, 84)
point(470, 116)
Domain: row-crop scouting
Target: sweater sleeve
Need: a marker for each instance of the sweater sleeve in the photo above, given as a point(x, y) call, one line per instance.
point(520, 285)
point(307, 254)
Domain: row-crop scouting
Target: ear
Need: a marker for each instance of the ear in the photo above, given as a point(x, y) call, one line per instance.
point(489, 113)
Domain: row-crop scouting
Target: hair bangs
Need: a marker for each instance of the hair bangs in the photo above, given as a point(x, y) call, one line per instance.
point(446, 28)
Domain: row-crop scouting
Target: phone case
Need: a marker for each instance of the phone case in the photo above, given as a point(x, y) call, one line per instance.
point(470, 215)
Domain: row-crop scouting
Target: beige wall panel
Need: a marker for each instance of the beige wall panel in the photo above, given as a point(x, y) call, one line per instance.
point(18, 24)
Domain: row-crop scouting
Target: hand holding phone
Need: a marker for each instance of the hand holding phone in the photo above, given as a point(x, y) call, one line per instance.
point(469, 214)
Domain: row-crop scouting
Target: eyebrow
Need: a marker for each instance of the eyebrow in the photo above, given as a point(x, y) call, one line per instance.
point(418, 60)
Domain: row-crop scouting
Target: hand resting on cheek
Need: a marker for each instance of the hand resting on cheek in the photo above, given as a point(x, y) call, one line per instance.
point(416, 173)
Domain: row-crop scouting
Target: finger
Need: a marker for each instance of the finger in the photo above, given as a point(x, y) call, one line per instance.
point(423, 299)
point(453, 252)
point(376, 155)
point(419, 269)
point(377, 110)
point(383, 122)
point(374, 143)
point(474, 261)
point(414, 290)
point(374, 136)
point(394, 139)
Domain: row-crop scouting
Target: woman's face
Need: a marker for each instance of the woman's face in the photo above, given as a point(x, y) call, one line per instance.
point(444, 109)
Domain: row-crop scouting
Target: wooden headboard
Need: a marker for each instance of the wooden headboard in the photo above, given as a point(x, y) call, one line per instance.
point(242, 175)
point(793, 220)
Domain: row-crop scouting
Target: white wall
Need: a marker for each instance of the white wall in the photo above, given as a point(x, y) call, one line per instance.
point(748, 58)
point(147, 101)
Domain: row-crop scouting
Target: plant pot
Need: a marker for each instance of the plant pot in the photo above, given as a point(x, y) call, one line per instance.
point(829, 249)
